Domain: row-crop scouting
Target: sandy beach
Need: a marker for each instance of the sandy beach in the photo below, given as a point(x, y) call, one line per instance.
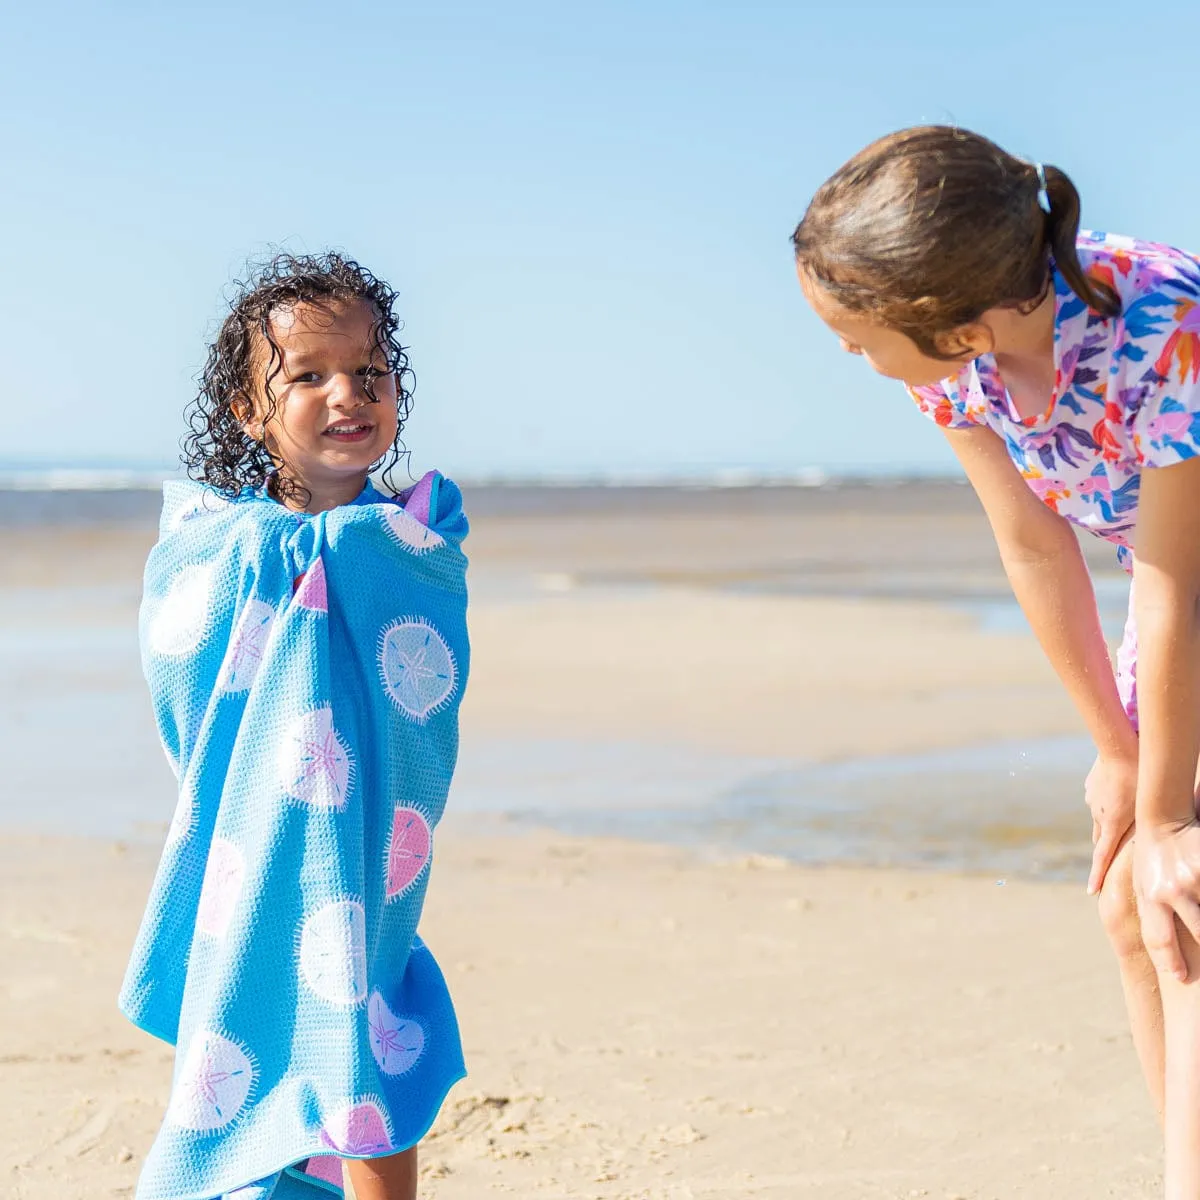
point(650, 1021)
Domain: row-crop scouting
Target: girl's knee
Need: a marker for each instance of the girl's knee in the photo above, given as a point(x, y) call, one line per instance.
point(1118, 908)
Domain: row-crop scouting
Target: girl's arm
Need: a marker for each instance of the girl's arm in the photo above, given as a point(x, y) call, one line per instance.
point(1167, 571)
point(1045, 566)
point(1050, 579)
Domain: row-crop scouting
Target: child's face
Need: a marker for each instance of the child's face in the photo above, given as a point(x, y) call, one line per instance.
point(888, 351)
point(326, 430)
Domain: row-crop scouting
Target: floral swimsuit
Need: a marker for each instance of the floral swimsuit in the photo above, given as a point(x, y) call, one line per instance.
point(1126, 397)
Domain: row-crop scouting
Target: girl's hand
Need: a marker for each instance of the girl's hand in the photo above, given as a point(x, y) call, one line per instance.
point(1166, 877)
point(1111, 792)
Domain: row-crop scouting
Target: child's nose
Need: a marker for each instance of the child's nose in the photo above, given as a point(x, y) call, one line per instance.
point(347, 391)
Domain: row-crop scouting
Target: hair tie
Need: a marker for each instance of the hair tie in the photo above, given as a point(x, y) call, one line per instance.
point(1043, 196)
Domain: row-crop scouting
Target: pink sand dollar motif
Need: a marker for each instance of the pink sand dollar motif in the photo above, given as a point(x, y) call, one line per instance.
point(247, 646)
point(360, 1130)
point(312, 592)
point(213, 1084)
point(409, 532)
point(315, 766)
point(222, 886)
point(408, 850)
point(181, 621)
point(417, 668)
point(333, 952)
point(396, 1042)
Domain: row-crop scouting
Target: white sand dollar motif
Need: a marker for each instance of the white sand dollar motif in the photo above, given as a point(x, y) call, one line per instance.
point(417, 667)
point(409, 532)
point(247, 646)
point(214, 1083)
point(252, 1191)
point(184, 819)
point(315, 766)
point(333, 952)
point(205, 503)
point(181, 621)
point(223, 878)
point(396, 1042)
point(172, 761)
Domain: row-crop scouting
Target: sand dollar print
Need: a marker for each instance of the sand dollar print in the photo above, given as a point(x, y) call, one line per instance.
point(315, 766)
point(213, 1084)
point(333, 952)
point(359, 1129)
point(181, 621)
point(396, 1042)
point(417, 667)
point(252, 1191)
point(184, 819)
point(312, 589)
point(247, 646)
point(203, 505)
point(409, 532)
point(223, 878)
point(408, 850)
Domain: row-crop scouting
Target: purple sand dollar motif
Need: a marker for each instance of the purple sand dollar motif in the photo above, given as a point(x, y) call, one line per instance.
point(417, 667)
point(325, 1167)
point(396, 1042)
point(359, 1129)
point(408, 850)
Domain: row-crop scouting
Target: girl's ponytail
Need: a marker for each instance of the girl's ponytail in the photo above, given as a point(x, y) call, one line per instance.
point(928, 228)
point(1062, 228)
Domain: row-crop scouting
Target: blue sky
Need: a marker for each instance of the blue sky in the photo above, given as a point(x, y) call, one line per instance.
point(585, 208)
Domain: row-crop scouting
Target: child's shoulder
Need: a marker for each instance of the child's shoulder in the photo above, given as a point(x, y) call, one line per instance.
point(1136, 269)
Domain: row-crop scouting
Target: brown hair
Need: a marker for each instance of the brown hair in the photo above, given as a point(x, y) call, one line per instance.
point(928, 228)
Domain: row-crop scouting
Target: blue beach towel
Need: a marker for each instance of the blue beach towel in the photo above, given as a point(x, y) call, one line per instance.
point(306, 672)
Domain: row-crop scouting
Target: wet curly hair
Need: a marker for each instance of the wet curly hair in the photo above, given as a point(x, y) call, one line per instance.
point(217, 450)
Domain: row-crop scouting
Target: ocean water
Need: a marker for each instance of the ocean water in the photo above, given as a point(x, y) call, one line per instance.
point(81, 758)
point(1009, 809)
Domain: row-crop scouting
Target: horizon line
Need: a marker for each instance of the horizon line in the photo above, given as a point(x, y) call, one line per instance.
point(38, 478)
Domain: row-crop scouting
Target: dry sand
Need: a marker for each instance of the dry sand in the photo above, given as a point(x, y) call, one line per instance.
point(640, 1023)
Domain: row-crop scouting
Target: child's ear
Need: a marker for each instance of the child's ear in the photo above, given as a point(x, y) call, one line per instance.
point(243, 412)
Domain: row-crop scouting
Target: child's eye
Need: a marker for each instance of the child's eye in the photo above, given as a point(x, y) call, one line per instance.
point(306, 377)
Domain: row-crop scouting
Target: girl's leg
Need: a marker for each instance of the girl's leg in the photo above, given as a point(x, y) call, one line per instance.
point(1118, 914)
point(1181, 1009)
point(392, 1178)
